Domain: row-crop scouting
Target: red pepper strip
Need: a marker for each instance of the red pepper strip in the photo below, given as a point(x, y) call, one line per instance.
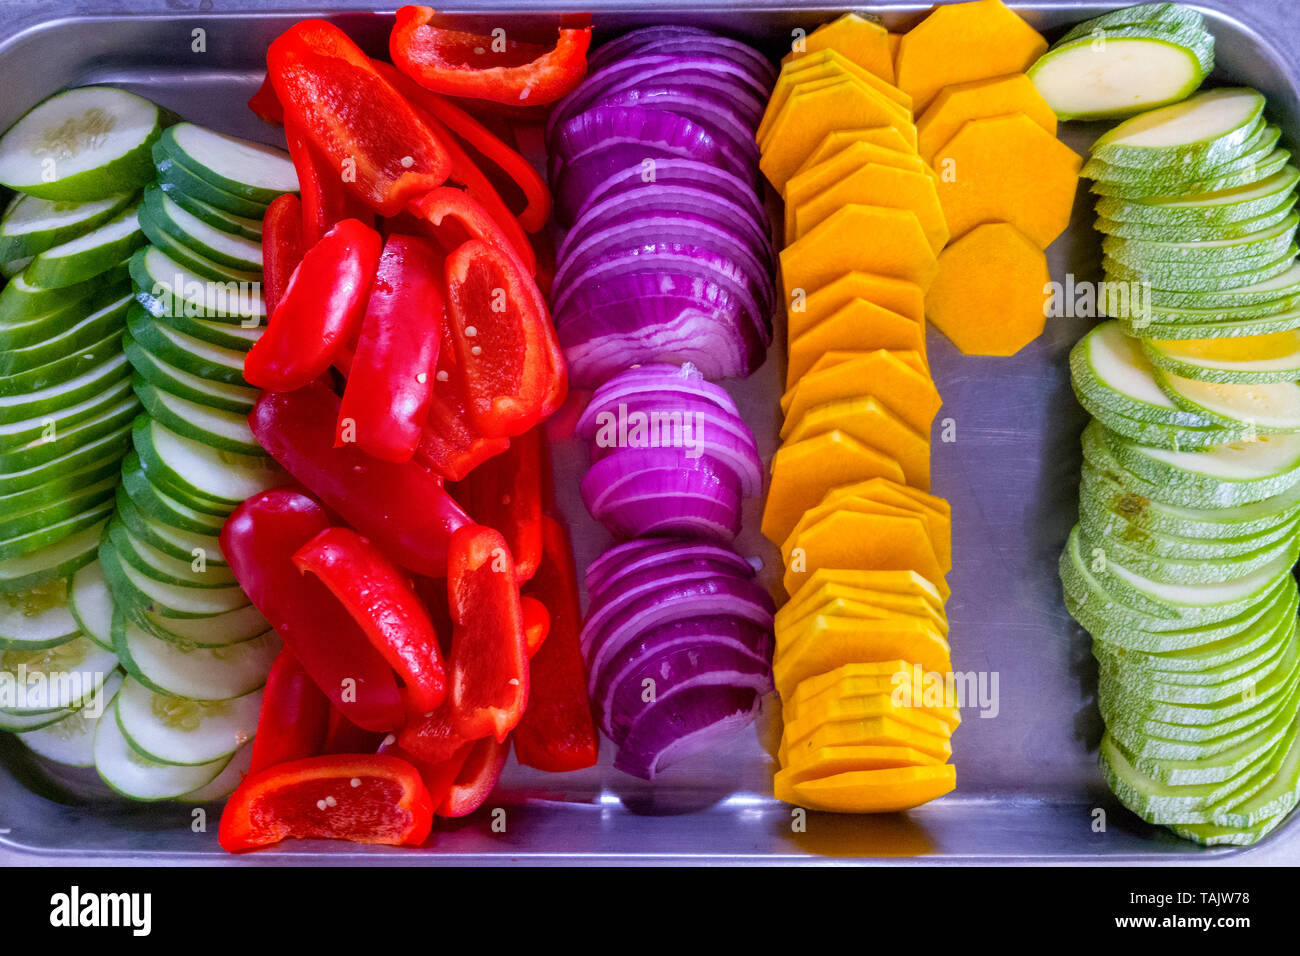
point(505, 345)
point(450, 445)
point(537, 197)
point(445, 203)
point(265, 104)
point(476, 778)
point(294, 718)
point(557, 732)
point(259, 540)
point(434, 737)
point(282, 247)
point(359, 122)
point(402, 507)
point(438, 777)
point(325, 201)
point(489, 657)
point(391, 374)
point(321, 309)
point(345, 737)
point(472, 65)
point(537, 624)
point(362, 798)
point(380, 599)
point(506, 493)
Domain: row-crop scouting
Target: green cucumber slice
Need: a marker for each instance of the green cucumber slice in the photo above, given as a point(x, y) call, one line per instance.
point(1209, 127)
point(237, 166)
point(95, 327)
point(162, 567)
point(87, 256)
point(186, 352)
point(174, 177)
point(158, 505)
point(207, 473)
point(217, 218)
point(20, 300)
point(41, 450)
point(55, 678)
point(166, 287)
point(113, 445)
point(211, 243)
point(133, 588)
point(14, 551)
point(176, 730)
point(1272, 407)
point(226, 782)
point(63, 403)
point(183, 384)
point(91, 603)
point(221, 630)
point(71, 741)
point(31, 225)
point(196, 673)
point(223, 430)
point(134, 776)
point(82, 144)
point(22, 524)
point(35, 620)
point(175, 543)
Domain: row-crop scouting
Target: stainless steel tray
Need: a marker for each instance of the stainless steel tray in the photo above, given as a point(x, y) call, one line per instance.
point(1027, 779)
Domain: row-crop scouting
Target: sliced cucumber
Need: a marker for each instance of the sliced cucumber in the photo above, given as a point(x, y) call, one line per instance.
point(87, 256)
point(71, 741)
point(81, 457)
point(223, 430)
point(172, 541)
point(20, 300)
point(1268, 408)
point(82, 144)
point(235, 252)
point(236, 338)
point(225, 783)
point(134, 776)
point(176, 381)
point(134, 589)
point(95, 327)
point(158, 505)
point(60, 486)
point(91, 603)
point(207, 473)
point(220, 673)
point(176, 730)
point(237, 166)
point(1209, 127)
point(52, 409)
point(78, 436)
point(56, 678)
point(36, 620)
point(21, 524)
point(31, 225)
point(23, 722)
point(195, 356)
point(73, 546)
point(160, 566)
point(166, 287)
point(217, 218)
point(221, 630)
point(174, 177)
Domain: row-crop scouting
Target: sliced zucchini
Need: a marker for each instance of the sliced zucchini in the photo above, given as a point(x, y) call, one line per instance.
point(177, 730)
point(1225, 206)
point(1266, 244)
point(197, 673)
point(1209, 127)
point(237, 166)
point(1268, 408)
point(1255, 359)
point(31, 225)
point(1207, 182)
point(82, 144)
point(87, 256)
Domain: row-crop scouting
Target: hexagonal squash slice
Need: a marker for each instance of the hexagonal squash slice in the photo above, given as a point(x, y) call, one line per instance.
point(858, 325)
point(846, 601)
point(871, 422)
point(964, 41)
point(989, 297)
point(857, 539)
point(860, 237)
point(824, 65)
point(895, 582)
point(863, 41)
point(934, 511)
point(813, 179)
point(873, 185)
point(885, 374)
point(807, 308)
point(979, 99)
point(1007, 169)
point(838, 140)
point(870, 791)
point(871, 732)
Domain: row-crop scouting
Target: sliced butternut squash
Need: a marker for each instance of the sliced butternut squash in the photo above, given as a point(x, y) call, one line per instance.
point(979, 99)
point(824, 65)
point(858, 506)
point(933, 510)
point(1007, 169)
point(892, 377)
point(865, 238)
point(836, 141)
point(863, 41)
point(889, 671)
point(964, 41)
point(872, 732)
point(833, 641)
point(858, 325)
point(872, 423)
point(802, 473)
point(836, 356)
point(839, 703)
point(874, 185)
point(895, 582)
point(856, 539)
point(809, 307)
point(870, 791)
point(843, 601)
point(809, 114)
point(829, 761)
point(990, 296)
point(812, 180)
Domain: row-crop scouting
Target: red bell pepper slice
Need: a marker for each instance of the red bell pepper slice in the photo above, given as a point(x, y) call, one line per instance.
point(362, 798)
point(372, 138)
point(438, 777)
point(321, 309)
point(401, 507)
point(391, 373)
point(475, 66)
point(259, 540)
point(449, 443)
point(557, 732)
point(476, 778)
point(380, 599)
point(282, 247)
point(537, 623)
point(295, 715)
point(505, 493)
point(505, 344)
point(434, 737)
point(456, 216)
point(265, 104)
point(489, 654)
point(345, 737)
point(325, 200)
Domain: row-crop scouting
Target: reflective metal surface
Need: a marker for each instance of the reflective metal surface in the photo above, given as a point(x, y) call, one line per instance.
point(1028, 787)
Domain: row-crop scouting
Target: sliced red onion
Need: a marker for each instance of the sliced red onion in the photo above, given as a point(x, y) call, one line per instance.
point(646, 553)
point(711, 109)
point(724, 595)
point(671, 258)
point(680, 725)
point(673, 39)
point(657, 318)
point(653, 408)
point(700, 436)
point(631, 586)
point(663, 199)
point(675, 670)
point(683, 496)
point(656, 378)
point(713, 181)
point(699, 515)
